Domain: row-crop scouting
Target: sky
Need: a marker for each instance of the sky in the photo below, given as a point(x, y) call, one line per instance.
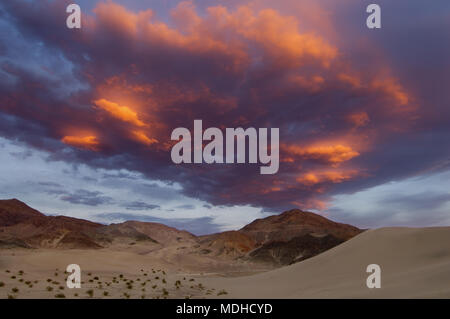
point(86, 114)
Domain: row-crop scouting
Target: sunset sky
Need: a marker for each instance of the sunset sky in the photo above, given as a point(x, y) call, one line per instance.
point(364, 115)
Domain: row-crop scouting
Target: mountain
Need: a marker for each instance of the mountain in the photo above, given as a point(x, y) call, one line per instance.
point(282, 239)
point(294, 223)
point(21, 225)
point(13, 211)
point(229, 244)
point(154, 232)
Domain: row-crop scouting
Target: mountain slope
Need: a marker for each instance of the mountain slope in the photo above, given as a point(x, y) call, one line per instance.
point(282, 239)
point(23, 226)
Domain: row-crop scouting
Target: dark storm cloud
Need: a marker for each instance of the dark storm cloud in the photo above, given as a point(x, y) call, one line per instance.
point(353, 108)
point(84, 197)
point(196, 226)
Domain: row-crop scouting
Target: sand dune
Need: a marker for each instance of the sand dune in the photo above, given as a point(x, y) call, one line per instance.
point(415, 263)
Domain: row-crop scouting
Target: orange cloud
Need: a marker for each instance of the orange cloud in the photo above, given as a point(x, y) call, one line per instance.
point(123, 113)
point(278, 35)
point(312, 84)
point(351, 79)
point(311, 203)
point(335, 177)
point(359, 119)
point(85, 142)
point(392, 88)
point(333, 154)
point(382, 83)
point(223, 32)
point(143, 138)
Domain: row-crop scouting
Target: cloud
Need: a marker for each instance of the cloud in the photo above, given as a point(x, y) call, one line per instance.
point(22, 155)
point(123, 113)
point(185, 206)
point(140, 206)
point(345, 123)
point(86, 142)
point(85, 197)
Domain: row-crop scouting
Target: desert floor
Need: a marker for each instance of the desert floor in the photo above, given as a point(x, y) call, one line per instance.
point(415, 263)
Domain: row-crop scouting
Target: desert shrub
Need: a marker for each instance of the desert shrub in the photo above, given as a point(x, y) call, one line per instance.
point(49, 288)
point(105, 293)
point(27, 282)
point(61, 287)
point(164, 281)
point(11, 297)
point(13, 277)
point(90, 293)
point(222, 292)
point(15, 290)
point(95, 278)
point(2, 284)
point(60, 296)
point(165, 292)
